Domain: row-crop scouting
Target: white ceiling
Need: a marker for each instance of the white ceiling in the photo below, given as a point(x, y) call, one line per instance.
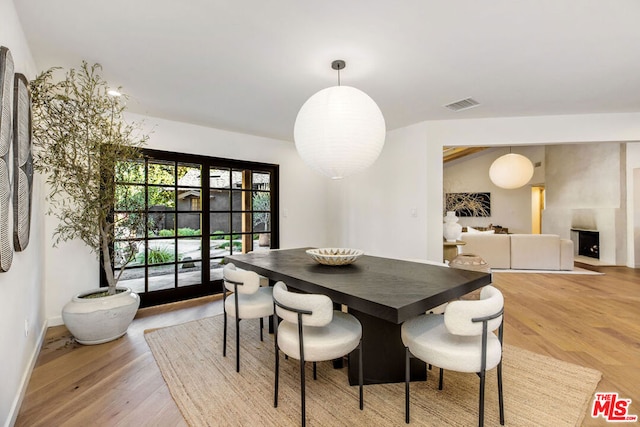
point(249, 65)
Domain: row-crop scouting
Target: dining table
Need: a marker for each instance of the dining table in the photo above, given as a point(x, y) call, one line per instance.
point(380, 292)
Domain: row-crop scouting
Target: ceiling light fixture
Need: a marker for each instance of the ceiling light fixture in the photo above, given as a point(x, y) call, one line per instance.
point(340, 130)
point(511, 171)
point(114, 93)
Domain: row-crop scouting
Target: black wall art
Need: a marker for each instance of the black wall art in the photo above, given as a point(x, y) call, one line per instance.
point(469, 204)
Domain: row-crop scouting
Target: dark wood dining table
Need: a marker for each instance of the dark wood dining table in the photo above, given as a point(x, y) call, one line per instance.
point(380, 292)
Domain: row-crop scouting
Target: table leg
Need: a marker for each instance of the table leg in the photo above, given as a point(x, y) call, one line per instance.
point(383, 353)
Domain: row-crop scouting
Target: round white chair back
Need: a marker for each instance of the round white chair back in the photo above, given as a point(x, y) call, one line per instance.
point(459, 315)
point(320, 306)
point(247, 281)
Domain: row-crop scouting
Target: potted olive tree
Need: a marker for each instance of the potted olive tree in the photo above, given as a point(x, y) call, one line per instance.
point(80, 139)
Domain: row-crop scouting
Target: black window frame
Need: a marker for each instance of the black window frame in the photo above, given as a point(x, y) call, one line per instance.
point(208, 287)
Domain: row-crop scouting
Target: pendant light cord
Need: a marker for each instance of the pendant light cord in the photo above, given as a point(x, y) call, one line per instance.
point(338, 65)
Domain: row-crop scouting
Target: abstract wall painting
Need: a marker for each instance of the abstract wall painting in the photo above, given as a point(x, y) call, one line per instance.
point(469, 204)
point(6, 129)
point(23, 163)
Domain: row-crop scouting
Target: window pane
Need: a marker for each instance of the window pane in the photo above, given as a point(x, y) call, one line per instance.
point(130, 172)
point(189, 224)
point(237, 219)
point(129, 225)
point(220, 200)
point(236, 179)
point(162, 277)
point(161, 197)
point(261, 221)
point(128, 253)
point(129, 197)
point(161, 251)
point(261, 201)
point(236, 201)
point(189, 175)
point(189, 199)
point(219, 178)
point(189, 249)
point(219, 243)
point(261, 181)
point(161, 224)
point(219, 223)
point(189, 273)
point(161, 172)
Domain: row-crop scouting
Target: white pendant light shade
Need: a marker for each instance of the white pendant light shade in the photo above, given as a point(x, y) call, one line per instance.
point(511, 171)
point(339, 131)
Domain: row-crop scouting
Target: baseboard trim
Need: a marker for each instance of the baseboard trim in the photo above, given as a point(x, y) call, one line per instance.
point(26, 376)
point(54, 321)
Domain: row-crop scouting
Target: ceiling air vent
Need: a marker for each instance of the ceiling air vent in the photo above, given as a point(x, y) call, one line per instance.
point(463, 104)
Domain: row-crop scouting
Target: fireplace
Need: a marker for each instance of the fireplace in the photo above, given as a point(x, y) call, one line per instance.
point(588, 243)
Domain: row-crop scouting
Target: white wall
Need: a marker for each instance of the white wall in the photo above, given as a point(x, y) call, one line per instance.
point(633, 204)
point(303, 196)
point(380, 212)
point(536, 130)
point(586, 189)
point(418, 148)
point(21, 288)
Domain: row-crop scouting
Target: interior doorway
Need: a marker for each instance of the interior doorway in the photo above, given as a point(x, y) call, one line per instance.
point(537, 206)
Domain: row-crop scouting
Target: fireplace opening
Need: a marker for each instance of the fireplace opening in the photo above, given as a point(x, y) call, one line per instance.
point(589, 243)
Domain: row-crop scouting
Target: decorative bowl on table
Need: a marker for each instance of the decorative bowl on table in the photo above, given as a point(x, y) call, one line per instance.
point(335, 256)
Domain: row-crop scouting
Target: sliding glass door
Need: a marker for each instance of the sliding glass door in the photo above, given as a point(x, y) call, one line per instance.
point(197, 210)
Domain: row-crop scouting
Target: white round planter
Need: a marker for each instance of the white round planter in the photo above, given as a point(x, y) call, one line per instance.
point(99, 320)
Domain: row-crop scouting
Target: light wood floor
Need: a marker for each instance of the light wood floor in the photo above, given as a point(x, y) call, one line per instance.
point(589, 320)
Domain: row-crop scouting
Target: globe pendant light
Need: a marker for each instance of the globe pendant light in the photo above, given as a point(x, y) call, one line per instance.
point(340, 130)
point(511, 171)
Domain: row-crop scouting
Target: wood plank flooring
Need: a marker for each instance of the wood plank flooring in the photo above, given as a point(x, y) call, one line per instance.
point(589, 320)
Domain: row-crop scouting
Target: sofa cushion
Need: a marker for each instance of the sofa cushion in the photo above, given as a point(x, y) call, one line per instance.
point(473, 230)
point(535, 251)
point(495, 249)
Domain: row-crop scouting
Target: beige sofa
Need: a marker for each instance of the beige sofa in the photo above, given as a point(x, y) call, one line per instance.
point(520, 251)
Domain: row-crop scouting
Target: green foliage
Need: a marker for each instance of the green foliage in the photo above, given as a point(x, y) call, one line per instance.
point(130, 190)
point(221, 235)
point(188, 232)
point(237, 246)
point(157, 256)
point(80, 138)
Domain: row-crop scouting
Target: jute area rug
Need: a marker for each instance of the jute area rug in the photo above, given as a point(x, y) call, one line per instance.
point(538, 390)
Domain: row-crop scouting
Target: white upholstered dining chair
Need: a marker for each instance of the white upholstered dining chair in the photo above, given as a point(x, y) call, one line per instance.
point(460, 340)
point(249, 301)
point(311, 330)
